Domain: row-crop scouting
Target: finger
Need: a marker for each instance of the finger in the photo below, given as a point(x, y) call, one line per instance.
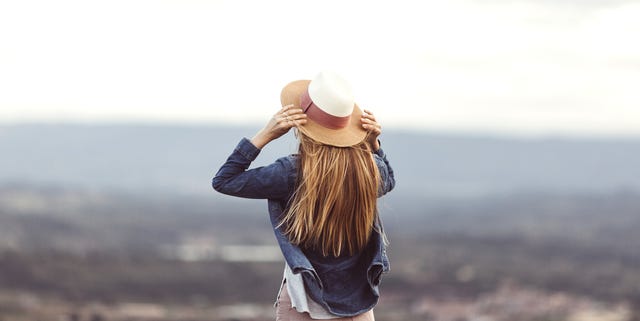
point(300, 118)
point(369, 116)
point(297, 116)
point(372, 126)
point(369, 121)
point(292, 112)
point(283, 118)
point(374, 130)
point(296, 121)
point(285, 124)
point(292, 117)
point(286, 107)
point(301, 121)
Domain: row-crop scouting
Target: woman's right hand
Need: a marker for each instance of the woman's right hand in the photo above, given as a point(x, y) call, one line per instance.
point(281, 122)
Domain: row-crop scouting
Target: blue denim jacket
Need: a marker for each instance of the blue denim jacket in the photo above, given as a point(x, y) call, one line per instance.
point(344, 285)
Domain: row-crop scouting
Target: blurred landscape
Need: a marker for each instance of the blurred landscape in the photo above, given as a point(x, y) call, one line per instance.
point(119, 222)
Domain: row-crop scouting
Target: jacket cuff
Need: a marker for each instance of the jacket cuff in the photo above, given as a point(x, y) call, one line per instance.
point(247, 149)
point(379, 152)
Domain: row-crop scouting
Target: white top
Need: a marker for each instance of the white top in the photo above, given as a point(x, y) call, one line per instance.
point(300, 300)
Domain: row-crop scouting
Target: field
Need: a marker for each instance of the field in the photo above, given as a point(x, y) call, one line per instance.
point(69, 254)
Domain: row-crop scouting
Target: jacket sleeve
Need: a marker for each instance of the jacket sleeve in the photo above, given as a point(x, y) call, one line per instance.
point(388, 181)
point(233, 178)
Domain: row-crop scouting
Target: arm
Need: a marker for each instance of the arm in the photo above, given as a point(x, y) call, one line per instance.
point(270, 181)
point(234, 179)
point(388, 181)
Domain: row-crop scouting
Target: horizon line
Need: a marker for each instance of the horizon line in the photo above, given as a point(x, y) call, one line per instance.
point(395, 128)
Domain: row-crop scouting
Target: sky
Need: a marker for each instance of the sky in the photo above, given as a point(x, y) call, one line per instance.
point(518, 67)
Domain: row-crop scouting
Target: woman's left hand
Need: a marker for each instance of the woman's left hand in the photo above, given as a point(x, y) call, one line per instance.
point(370, 124)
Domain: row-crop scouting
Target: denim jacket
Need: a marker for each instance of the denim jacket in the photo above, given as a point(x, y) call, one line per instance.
point(345, 285)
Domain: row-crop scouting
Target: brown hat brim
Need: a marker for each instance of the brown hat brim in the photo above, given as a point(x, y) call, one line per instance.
point(349, 135)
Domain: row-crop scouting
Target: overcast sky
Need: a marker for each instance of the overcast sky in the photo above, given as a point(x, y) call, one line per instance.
point(516, 67)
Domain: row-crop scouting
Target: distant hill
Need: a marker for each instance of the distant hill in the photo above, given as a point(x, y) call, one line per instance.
point(181, 160)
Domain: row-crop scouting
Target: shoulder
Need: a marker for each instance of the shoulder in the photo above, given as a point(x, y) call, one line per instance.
point(289, 165)
point(290, 162)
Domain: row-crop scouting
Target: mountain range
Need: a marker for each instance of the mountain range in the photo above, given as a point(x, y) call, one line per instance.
point(181, 159)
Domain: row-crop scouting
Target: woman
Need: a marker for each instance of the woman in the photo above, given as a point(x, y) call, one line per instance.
point(322, 201)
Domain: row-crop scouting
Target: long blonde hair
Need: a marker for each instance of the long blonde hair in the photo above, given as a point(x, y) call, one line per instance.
point(334, 205)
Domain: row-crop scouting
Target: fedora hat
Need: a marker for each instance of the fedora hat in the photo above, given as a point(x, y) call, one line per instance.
point(333, 117)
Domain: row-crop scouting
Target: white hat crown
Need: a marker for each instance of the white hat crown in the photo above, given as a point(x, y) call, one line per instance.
point(332, 94)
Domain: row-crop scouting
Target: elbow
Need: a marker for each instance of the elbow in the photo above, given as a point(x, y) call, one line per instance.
point(224, 185)
point(217, 183)
point(386, 187)
point(388, 181)
point(392, 184)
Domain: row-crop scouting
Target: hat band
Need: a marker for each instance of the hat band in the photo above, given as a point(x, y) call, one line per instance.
point(320, 116)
